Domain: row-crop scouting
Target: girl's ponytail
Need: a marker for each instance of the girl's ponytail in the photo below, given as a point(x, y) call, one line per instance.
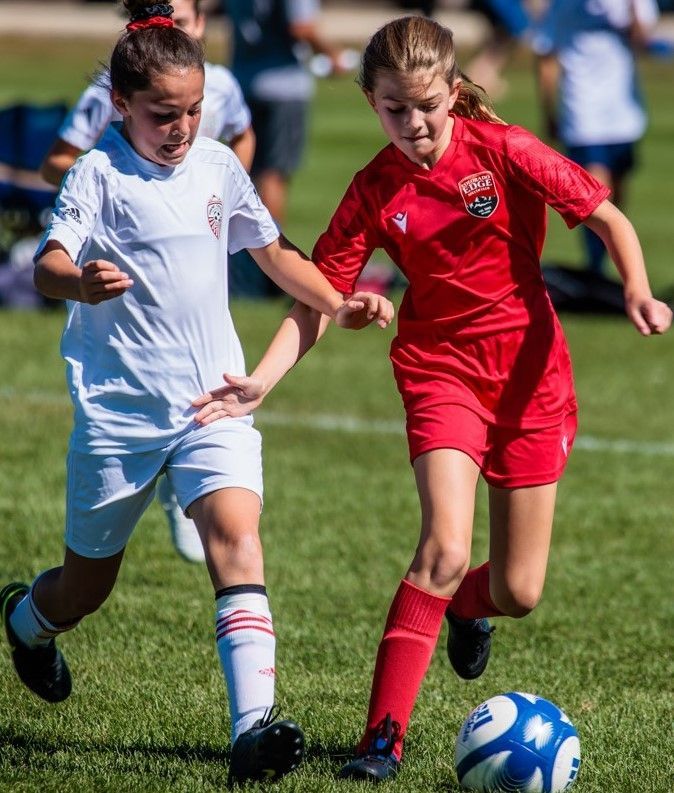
point(473, 102)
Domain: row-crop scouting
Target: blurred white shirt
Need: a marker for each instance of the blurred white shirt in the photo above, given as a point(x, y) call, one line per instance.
point(599, 97)
point(224, 112)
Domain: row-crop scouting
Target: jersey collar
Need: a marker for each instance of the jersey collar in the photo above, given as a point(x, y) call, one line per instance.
point(141, 164)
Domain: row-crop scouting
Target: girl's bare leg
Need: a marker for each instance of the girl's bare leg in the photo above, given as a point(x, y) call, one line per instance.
point(446, 481)
point(520, 534)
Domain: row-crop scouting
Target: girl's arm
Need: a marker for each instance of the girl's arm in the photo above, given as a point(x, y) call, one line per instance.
point(297, 275)
point(58, 160)
point(56, 275)
point(299, 331)
point(318, 302)
point(648, 315)
point(640, 28)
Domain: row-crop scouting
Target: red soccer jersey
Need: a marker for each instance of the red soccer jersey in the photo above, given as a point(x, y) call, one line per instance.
point(476, 326)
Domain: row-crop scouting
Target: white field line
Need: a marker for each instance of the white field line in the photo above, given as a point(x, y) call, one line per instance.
point(355, 425)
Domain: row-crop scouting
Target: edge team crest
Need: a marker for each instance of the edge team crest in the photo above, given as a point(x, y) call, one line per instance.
point(479, 194)
point(214, 214)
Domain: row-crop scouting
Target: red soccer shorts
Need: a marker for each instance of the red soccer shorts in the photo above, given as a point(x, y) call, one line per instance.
point(507, 456)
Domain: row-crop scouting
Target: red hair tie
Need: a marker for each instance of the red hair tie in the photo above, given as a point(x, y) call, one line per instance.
point(151, 22)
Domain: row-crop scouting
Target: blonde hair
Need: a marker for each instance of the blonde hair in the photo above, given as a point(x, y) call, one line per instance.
point(416, 43)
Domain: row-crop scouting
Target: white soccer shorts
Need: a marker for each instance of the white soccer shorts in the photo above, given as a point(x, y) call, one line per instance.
point(107, 494)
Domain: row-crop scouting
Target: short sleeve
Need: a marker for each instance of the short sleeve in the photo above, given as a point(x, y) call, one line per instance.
point(619, 14)
point(77, 208)
point(647, 12)
point(236, 114)
point(562, 184)
point(250, 224)
point(343, 250)
point(88, 119)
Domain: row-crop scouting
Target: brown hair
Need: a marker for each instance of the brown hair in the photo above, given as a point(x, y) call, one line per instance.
point(416, 43)
point(139, 55)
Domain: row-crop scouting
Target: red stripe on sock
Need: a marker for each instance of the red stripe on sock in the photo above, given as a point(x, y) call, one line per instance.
point(224, 632)
point(249, 617)
point(233, 616)
point(472, 599)
point(411, 633)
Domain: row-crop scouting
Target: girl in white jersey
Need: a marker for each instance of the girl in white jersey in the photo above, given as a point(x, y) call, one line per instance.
point(138, 247)
point(224, 116)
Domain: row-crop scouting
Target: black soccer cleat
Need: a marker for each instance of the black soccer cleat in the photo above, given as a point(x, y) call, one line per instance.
point(379, 763)
point(468, 645)
point(42, 669)
point(268, 750)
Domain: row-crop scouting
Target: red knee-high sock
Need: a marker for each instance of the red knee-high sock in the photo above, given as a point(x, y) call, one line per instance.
point(472, 599)
point(411, 633)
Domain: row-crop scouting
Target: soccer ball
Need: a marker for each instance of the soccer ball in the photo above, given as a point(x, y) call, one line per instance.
point(519, 743)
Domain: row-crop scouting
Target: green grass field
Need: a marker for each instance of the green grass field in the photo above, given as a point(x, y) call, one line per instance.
point(148, 712)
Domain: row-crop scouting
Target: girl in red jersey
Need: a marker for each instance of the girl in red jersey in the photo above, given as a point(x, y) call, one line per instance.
point(458, 200)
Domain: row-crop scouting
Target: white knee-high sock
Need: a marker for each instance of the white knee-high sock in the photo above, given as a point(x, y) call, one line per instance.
point(31, 627)
point(244, 634)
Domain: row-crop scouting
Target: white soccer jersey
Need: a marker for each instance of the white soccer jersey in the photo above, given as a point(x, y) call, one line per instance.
point(600, 101)
point(136, 362)
point(224, 112)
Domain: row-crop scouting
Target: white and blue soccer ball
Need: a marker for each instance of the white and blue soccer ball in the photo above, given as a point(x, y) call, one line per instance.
point(517, 743)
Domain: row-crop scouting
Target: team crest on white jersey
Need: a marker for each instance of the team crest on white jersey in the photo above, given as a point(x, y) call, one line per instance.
point(400, 219)
point(214, 214)
point(479, 194)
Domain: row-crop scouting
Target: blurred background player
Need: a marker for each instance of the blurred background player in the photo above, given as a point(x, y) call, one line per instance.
point(271, 42)
point(225, 116)
point(589, 90)
point(509, 24)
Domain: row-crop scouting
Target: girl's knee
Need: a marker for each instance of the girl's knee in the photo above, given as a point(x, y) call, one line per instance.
point(517, 601)
point(246, 541)
point(443, 564)
point(234, 550)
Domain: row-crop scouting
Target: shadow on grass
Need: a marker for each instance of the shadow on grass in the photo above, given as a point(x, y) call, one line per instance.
point(337, 755)
point(38, 749)
point(187, 752)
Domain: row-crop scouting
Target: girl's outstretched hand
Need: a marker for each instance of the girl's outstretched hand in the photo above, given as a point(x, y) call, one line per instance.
point(648, 315)
point(239, 397)
point(362, 308)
